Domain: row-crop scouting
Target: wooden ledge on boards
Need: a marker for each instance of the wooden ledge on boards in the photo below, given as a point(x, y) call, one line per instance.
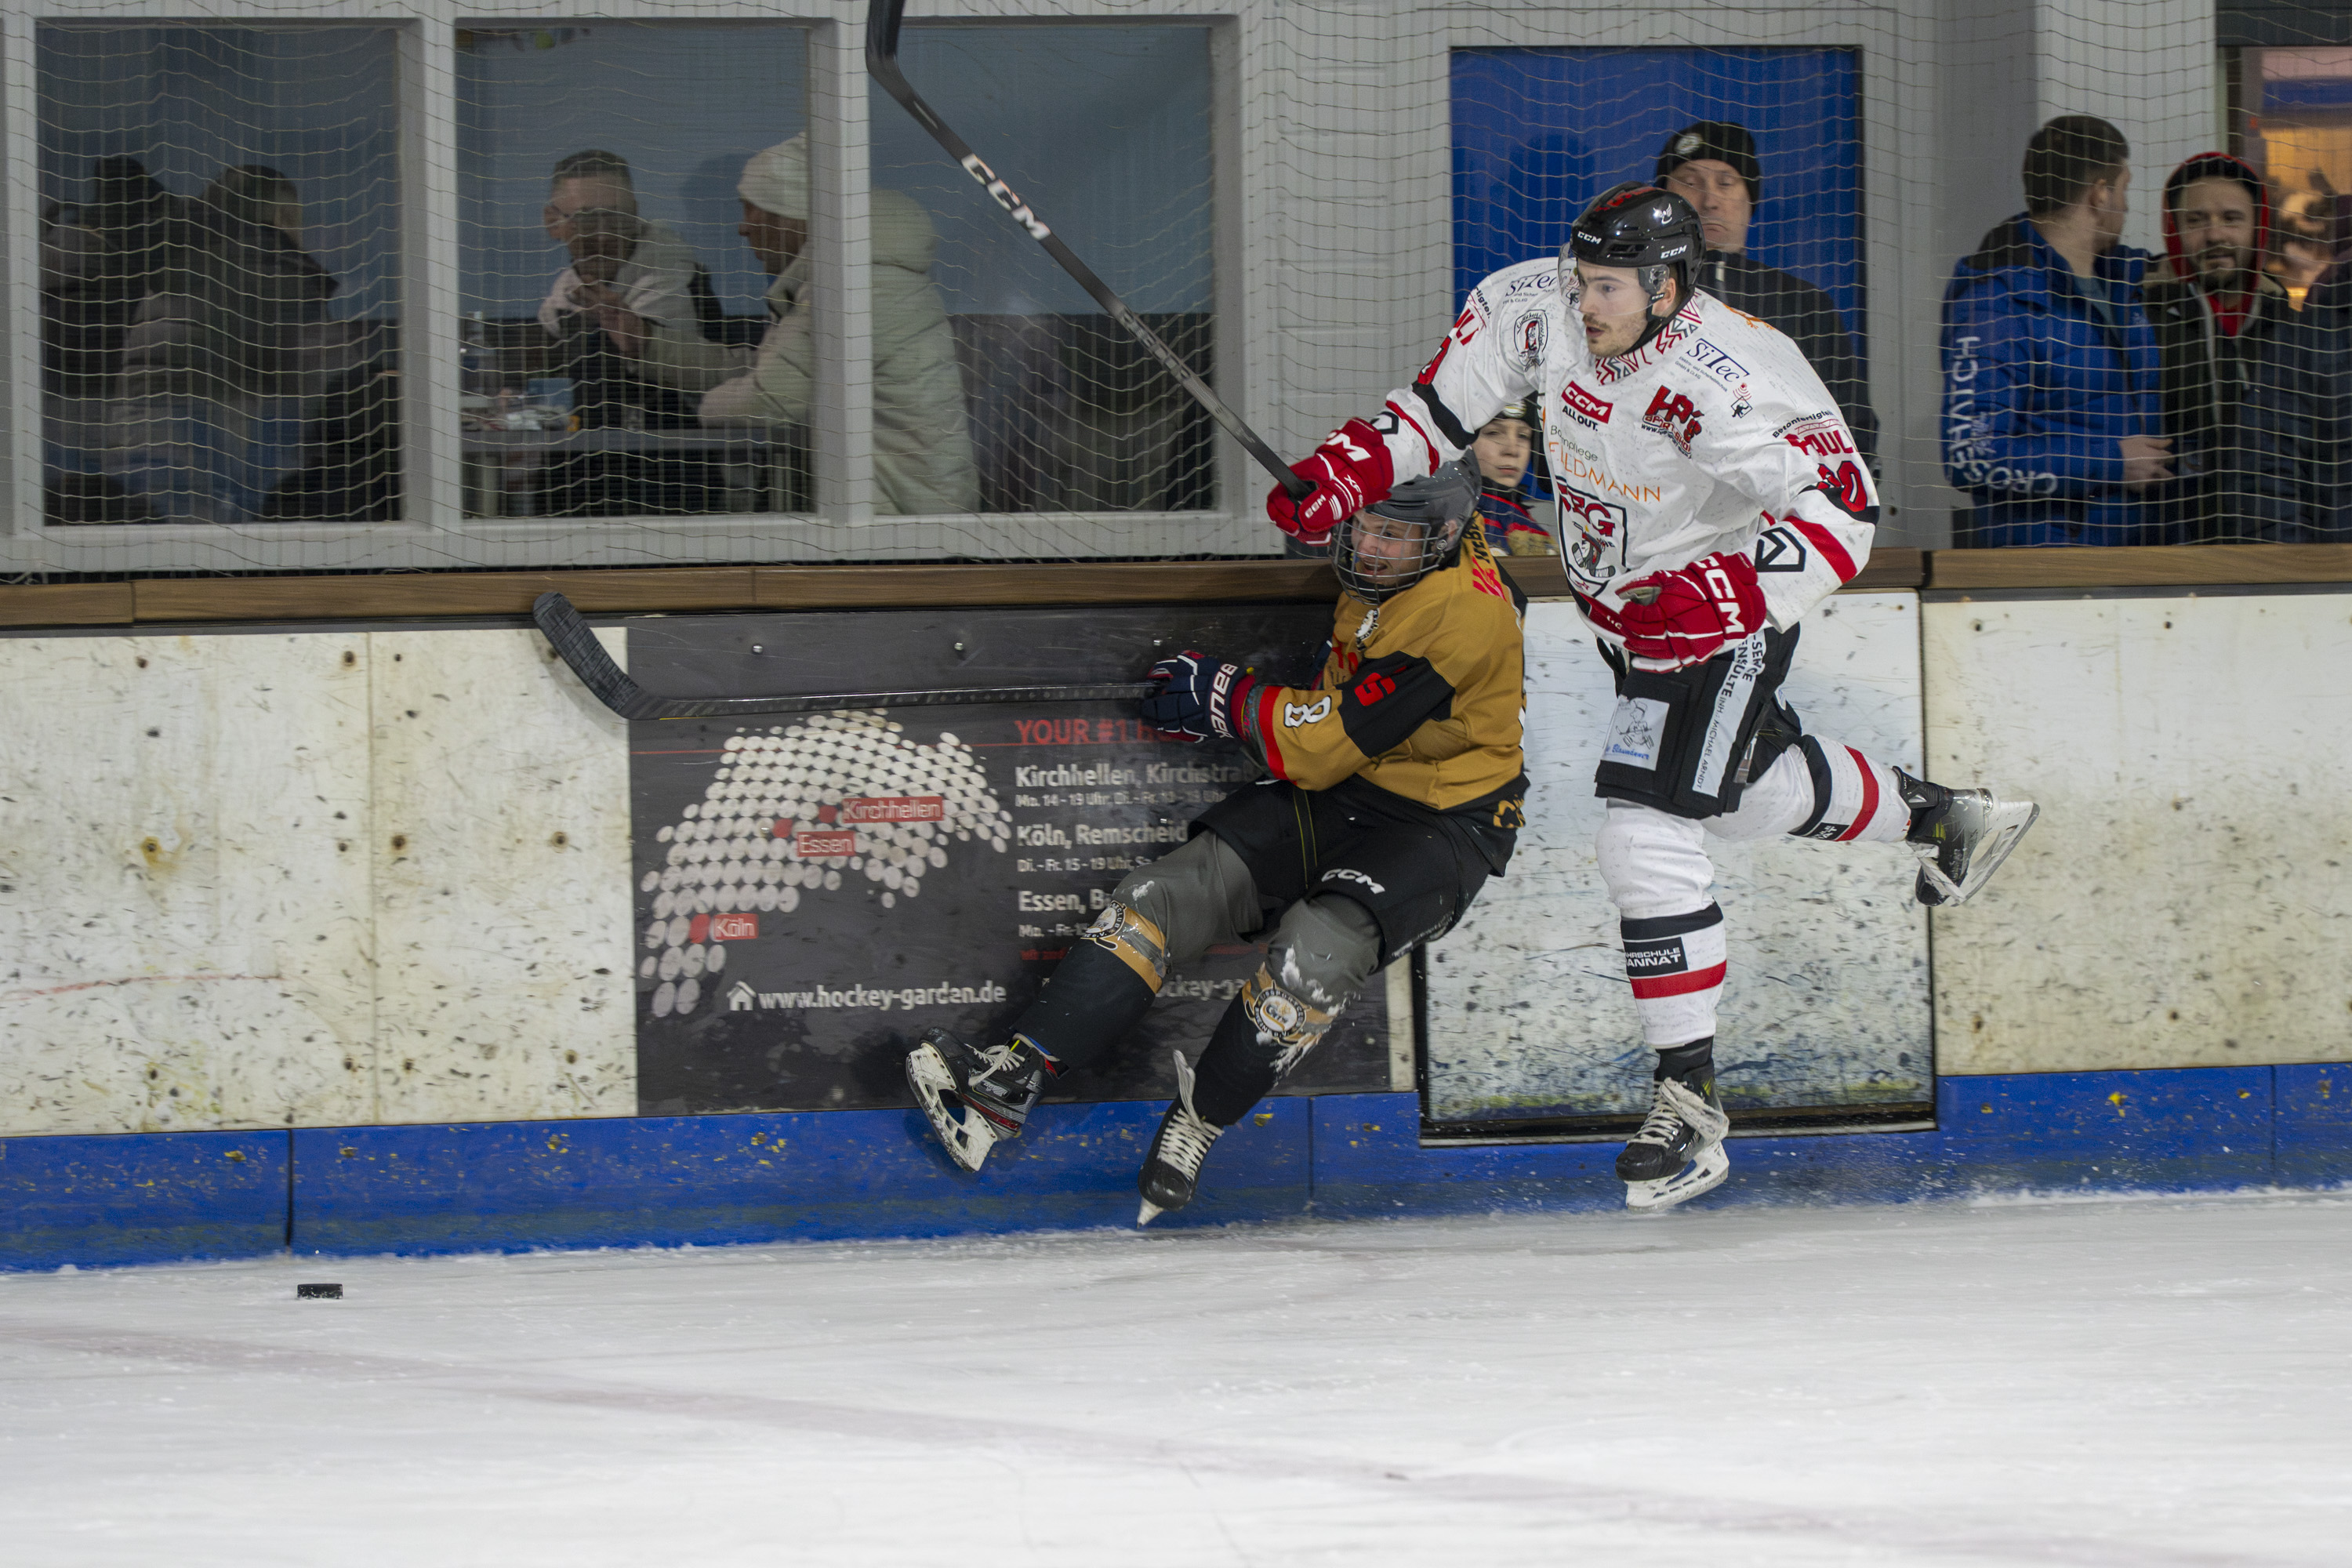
point(407, 595)
point(1075, 582)
point(66, 604)
point(653, 590)
point(2141, 566)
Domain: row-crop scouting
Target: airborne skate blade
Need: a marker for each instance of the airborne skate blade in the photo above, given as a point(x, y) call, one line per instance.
point(969, 1136)
point(2005, 825)
point(1703, 1174)
point(1149, 1212)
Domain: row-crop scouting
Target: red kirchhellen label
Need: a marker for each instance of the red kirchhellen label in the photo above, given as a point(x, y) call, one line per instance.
point(894, 808)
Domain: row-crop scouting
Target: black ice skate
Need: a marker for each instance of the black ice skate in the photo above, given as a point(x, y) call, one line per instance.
point(1678, 1153)
point(1174, 1165)
point(975, 1098)
point(1961, 836)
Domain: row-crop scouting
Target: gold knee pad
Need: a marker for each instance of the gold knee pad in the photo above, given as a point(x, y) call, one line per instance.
point(1138, 944)
point(1283, 1017)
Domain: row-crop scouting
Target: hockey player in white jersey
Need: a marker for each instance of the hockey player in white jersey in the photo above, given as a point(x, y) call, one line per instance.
point(1710, 495)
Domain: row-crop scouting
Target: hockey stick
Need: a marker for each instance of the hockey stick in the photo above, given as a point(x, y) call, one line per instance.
point(882, 21)
point(578, 647)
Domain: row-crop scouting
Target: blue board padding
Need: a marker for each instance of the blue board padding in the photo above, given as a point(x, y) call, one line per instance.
point(2186, 1129)
point(787, 1175)
point(2313, 1125)
point(810, 1175)
point(1539, 133)
point(141, 1197)
point(2178, 1129)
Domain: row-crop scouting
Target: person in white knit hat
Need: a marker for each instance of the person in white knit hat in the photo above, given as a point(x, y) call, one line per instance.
point(922, 435)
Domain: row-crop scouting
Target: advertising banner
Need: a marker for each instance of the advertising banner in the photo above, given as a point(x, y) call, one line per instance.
point(814, 892)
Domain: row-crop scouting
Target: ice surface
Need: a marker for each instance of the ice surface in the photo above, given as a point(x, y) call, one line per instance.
point(2149, 1385)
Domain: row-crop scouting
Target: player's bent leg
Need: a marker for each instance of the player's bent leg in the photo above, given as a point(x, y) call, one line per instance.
point(1162, 914)
point(1323, 951)
point(1821, 789)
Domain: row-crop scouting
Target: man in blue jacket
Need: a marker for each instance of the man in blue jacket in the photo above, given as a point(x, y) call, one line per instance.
point(2049, 419)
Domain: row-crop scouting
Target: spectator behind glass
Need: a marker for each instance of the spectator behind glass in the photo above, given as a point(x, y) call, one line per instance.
point(592, 212)
point(2252, 399)
point(1505, 448)
point(222, 354)
point(922, 435)
point(2050, 370)
point(2303, 242)
point(1712, 165)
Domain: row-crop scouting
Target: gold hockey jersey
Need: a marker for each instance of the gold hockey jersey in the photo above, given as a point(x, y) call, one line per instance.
point(1422, 695)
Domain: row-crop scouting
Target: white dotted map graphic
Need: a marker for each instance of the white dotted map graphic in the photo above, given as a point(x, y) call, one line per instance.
point(804, 810)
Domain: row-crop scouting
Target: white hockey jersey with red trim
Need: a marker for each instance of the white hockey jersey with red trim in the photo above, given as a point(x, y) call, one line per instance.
point(1714, 435)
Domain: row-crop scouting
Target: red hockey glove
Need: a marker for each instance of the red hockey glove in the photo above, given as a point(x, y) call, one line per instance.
point(1693, 612)
point(1350, 471)
point(1192, 697)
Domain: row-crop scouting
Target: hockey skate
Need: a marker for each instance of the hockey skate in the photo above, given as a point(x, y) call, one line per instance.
point(975, 1098)
point(1962, 839)
point(1174, 1165)
point(1678, 1153)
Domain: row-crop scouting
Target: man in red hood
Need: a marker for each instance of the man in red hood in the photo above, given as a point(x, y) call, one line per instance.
point(2253, 393)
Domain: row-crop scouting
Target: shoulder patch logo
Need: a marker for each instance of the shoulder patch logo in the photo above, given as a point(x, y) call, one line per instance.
point(1529, 336)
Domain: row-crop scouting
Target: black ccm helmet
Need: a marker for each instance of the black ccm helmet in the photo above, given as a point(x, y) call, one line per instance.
point(1438, 506)
point(1653, 231)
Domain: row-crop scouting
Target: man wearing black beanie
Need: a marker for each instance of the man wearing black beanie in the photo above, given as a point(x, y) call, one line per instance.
point(1712, 165)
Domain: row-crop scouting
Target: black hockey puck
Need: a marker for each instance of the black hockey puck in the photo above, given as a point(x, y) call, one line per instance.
point(318, 1292)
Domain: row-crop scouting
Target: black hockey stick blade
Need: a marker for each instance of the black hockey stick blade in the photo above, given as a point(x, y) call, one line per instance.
point(578, 647)
point(882, 19)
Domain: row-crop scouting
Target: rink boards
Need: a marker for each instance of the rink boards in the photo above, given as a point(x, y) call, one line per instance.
point(378, 884)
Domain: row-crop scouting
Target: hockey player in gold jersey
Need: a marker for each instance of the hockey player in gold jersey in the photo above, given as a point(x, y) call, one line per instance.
point(1395, 791)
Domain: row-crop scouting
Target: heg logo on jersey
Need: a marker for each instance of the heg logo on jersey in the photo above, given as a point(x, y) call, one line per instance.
point(1672, 416)
point(1293, 714)
point(1004, 196)
point(1583, 407)
point(1589, 535)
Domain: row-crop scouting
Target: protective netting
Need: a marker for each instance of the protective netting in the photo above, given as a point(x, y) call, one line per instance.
point(608, 290)
point(220, 273)
point(260, 243)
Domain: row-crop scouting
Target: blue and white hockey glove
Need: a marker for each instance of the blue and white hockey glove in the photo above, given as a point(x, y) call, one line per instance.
point(1192, 697)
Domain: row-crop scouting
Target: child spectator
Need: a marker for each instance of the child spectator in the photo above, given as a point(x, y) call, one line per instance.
point(1504, 447)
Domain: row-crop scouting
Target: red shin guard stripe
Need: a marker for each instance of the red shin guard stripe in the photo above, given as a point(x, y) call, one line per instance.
point(1869, 795)
point(1678, 985)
